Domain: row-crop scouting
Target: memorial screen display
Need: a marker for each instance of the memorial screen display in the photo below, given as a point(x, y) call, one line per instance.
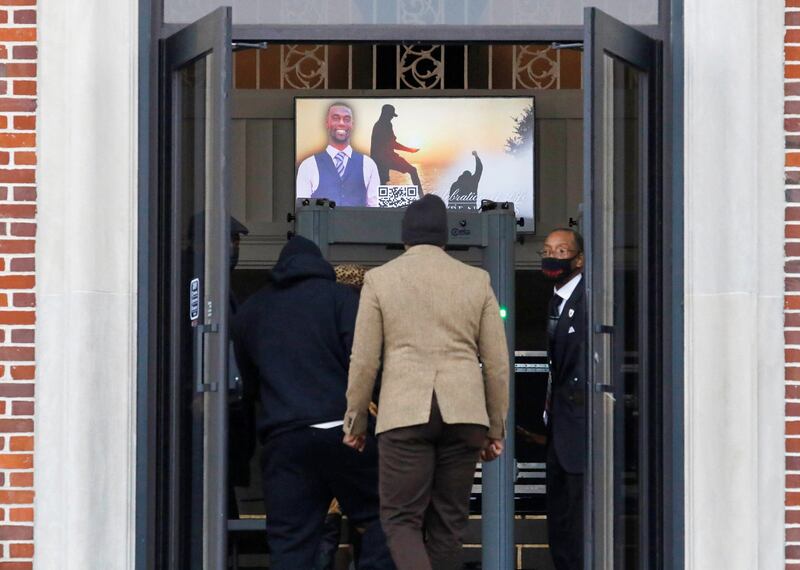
point(387, 152)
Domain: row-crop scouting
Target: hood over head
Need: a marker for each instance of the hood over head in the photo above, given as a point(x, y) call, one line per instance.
point(301, 259)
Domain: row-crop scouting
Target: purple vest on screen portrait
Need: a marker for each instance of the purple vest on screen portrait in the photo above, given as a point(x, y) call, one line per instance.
point(349, 190)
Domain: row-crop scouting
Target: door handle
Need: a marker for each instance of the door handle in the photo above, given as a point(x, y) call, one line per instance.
point(604, 329)
point(199, 363)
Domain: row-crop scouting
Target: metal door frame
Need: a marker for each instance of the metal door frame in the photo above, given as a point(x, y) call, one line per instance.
point(152, 28)
point(604, 35)
point(209, 37)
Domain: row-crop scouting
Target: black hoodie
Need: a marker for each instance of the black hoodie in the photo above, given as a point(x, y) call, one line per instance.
point(293, 338)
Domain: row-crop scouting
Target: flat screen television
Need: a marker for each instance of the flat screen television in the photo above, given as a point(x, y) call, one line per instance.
point(386, 152)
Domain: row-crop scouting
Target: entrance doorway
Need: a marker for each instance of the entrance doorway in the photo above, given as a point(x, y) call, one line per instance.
point(227, 149)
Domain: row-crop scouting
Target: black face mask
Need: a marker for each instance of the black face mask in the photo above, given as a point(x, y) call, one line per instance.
point(555, 269)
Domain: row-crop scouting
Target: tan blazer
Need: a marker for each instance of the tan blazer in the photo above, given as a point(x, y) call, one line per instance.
point(432, 317)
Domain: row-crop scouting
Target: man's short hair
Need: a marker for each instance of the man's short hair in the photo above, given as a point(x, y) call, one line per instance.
point(575, 235)
point(339, 104)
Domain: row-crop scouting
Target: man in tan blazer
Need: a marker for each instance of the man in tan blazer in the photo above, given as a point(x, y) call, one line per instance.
point(432, 320)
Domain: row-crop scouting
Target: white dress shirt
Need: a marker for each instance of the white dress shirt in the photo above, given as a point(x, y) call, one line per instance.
point(565, 292)
point(308, 175)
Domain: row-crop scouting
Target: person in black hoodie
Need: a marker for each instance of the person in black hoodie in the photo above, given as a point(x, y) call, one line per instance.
point(293, 338)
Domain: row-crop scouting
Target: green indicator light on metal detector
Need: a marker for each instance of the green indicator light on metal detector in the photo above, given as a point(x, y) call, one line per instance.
point(503, 313)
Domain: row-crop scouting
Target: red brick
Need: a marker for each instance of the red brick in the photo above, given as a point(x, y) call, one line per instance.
point(792, 551)
point(24, 300)
point(792, 517)
point(21, 550)
point(28, 194)
point(24, 87)
point(792, 481)
point(17, 70)
point(23, 372)
point(17, 281)
point(791, 303)
point(24, 123)
point(17, 34)
point(8, 105)
point(792, 498)
point(24, 443)
point(22, 230)
point(15, 426)
point(16, 497)
point(29, 318)
point(25, 52)
point(25, 16)
point(792, 445)
point(789, 125)
point(28, 264)
point(790, 249)
point(792, 231)
point(17, 2)
point(23, 408)
point(792, 19)
point(20, 480)
point(24, 176)
point(791, 107)
point(16, 532)
point(19, 245)
point(22, 336)
point(24, 158)
point(793, 3)
point(17, 354)
point(22, 461)
point(792, 158)
point(792, 392)
point(17, 140)
point(19, 565)
point(22, 390)
point(792, 283)
point(792, 409)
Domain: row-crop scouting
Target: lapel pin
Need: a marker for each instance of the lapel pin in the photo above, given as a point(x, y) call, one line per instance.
point(571, 312)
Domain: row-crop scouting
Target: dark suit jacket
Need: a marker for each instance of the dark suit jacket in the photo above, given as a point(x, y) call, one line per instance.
point(567, 418)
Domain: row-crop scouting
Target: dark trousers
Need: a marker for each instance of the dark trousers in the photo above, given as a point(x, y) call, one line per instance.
point(426, 474)
point(399, 164)
point(302, 471)
point(564, 514)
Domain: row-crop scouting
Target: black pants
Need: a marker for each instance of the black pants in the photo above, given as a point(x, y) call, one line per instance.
point(302, 471)
point(399, 164)
point(426, 474)
point(564, 514)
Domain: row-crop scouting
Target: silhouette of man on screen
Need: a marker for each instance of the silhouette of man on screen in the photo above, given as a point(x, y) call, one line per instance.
point(383, 147)
point(464, 191)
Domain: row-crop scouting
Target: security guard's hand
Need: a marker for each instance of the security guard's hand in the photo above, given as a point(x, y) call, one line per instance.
point(357, 442)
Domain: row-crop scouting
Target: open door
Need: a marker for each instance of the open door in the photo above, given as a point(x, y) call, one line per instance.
point(621, 200)
point(195, 87)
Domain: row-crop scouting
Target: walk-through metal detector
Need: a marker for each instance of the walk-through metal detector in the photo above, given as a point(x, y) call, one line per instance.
point(492, 230)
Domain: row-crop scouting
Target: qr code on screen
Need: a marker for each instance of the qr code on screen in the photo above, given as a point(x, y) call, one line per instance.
point(397, 196)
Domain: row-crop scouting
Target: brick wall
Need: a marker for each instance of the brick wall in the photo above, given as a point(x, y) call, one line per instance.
point(792, 270)
point(18, 59)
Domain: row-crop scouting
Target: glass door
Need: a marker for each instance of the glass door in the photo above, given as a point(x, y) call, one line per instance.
point(620, 191)
point(195, 65)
